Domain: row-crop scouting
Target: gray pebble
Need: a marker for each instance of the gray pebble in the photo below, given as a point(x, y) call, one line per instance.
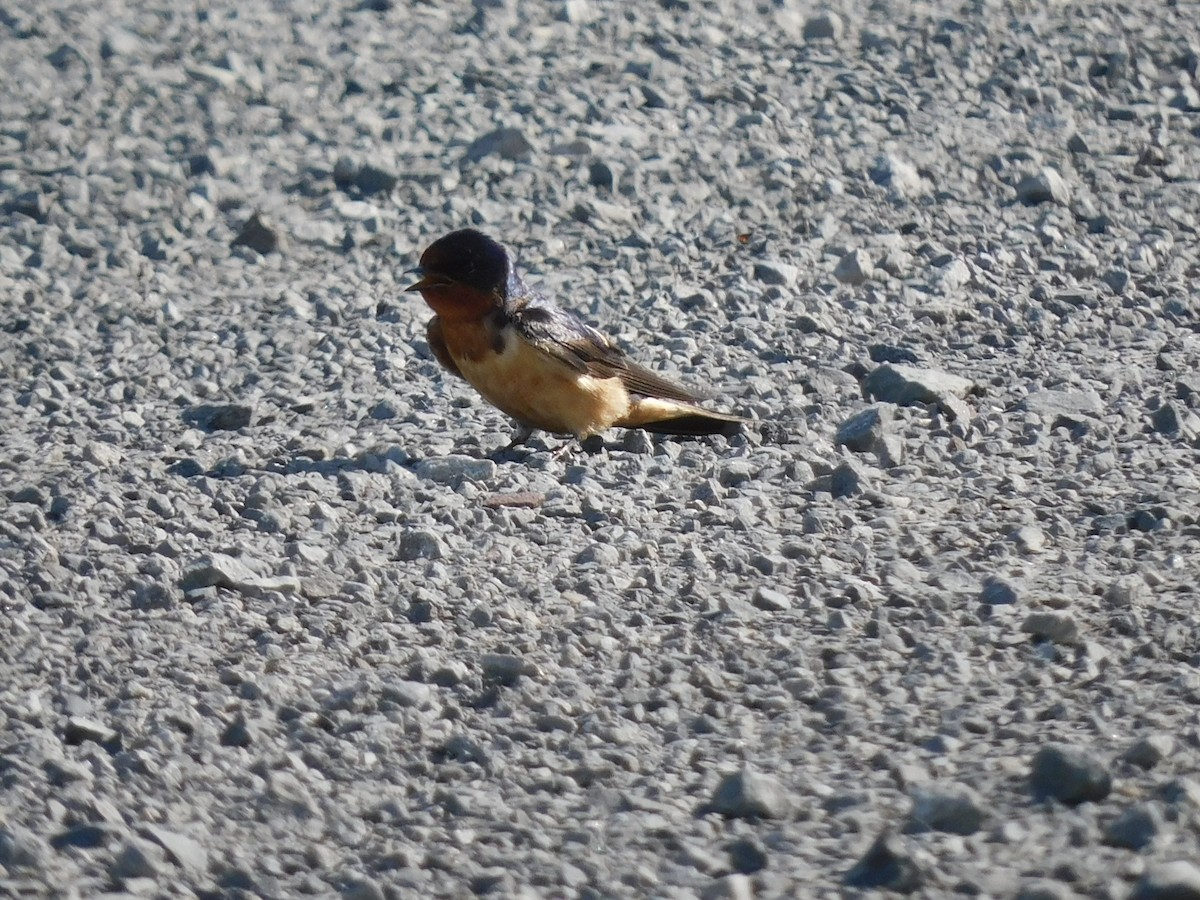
point(899, 176)
point(905, 385)
point(136, 858)
point(777, 273)
point(953, 808)
point(184, 851)
point(507, 143)
point(420, 543)
point(409, 694)
point(888, 864)
point(1068, 408)
point(998, 592)
point(771, 600)
point(1070, 774)
point(504, 668)
point(863, 431)
point(20, 849)
point(219, 417)
point(824, 26)
point(747, 855)
point(1052, 625)
point(1149, 751)
point(1044, 186)
point(260, 235)
point(237, 733)
point(748, 793)
point(1045, 890)
point(854, 268)
point(1178, 880)
point(362, 889)
point(1029, 538)
point(729, 887)
point(452, 470)
point(1136, 827)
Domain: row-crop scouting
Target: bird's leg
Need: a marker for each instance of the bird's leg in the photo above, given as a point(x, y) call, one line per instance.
point(523, 434)
point(591, 444)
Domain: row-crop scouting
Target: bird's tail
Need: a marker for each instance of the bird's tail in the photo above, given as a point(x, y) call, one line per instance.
point(673, 417)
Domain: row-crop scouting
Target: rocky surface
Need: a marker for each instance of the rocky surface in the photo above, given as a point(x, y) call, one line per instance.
point(275, 624)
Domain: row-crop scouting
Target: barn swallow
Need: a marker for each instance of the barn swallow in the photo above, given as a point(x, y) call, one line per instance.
point(541, 364)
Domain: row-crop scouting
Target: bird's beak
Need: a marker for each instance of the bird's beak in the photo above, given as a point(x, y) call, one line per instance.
point(425, 280)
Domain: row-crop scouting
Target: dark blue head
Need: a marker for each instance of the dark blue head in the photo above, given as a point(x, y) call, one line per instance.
point(466, 258)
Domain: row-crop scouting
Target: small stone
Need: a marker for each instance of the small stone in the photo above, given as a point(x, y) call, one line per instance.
point(20, 849)
point(952, 808)
point(383, 410)
point(951, 276)
point(907, 385)
point(1044, 889)
point(729, 887)
point(452, 470)
point(846, 480)
point(461, 749)
point(507, 143)
point(771, 600)
point(1176, 420)
point(85, 835)
point(868, 432)
point(747, 855)
point(219, 416)
point(81, 728)
point(1181, 792)
point(362, 180)
point(1117, 280)
point(1179, 880)
point(1052, 625)
point(185, 852)
point(237, 733)
point(362, 889)
point(600, 175)
point(1126, 591)
point(1150, 751)
point(1136, 827)
point(217, 570)
point(1069, 774)
point(136, 858)
point(887, 864)
point(824, 27)
point(998, 592)
point(260, 235)
point(1065, 408)
point(776, 273)
point(505, 668)
point(854, 268)
point(749, 794)
point(1029, 538)
point(1045, 186)
point(420, 543)
point(29, 494)
point(102, 454)
point(898, 175)
point(408, 694)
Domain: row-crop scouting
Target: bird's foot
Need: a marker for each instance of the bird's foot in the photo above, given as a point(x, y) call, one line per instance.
point(520, 438)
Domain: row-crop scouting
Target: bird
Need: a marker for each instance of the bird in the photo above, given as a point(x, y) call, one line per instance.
point(541, 364)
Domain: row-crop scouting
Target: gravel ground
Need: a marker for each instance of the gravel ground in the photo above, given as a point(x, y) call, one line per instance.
point(276, 625)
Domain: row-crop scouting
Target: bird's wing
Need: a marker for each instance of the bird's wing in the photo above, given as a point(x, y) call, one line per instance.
point(563, 335)
point(437, 343)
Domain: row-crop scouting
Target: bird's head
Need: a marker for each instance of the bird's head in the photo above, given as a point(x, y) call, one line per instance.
point(465, 273)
